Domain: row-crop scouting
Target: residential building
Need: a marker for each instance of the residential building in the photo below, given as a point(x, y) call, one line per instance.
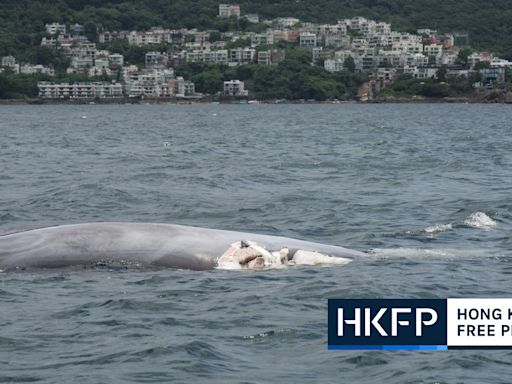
point(490, 76)
point(228, 10)
point(333, 65)
point(79, 90)
point(475, 58)
point(155, 59)
point(55, 28)
point(307, 40)
point(264, 57)
point(252, 18)
point(241, 55)
point(460, 40)
point(286, 22)
point(116, 60)
point(8, 61)
point(31, 69)
point(77, 29)
point(262, 38)
point(235, 88)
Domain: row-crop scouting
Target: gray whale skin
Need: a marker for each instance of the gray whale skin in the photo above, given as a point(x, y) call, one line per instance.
point(141, 244)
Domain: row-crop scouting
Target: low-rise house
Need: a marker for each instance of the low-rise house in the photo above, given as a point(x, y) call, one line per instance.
point(497, 62)
point(307, 40)
point(264, 57)
point(427, 73)
point(476, 58)
point(292, 36)
point(31, 69)
point(426, 31)
point(315, 54)
point(8, 61)
point(228, 10)
point(155, 35)
point(51, 90)
point(49, 42)
point(252, 18)
point(107, 37)
point(336, 41)
point(217, 57)
point(416, 60)
point(55, 28)
point(262, 38)
point(80, 64)
point(385, 74)
point(491, 76)
point(433, 50)
point(156, 60)
point(77, 29)
point(235, 88)
point(333, 65)
point(459, 72)
point(460, 40)
point(449, 57)
point(241, 56)
point(286, 22)
point(116, 60)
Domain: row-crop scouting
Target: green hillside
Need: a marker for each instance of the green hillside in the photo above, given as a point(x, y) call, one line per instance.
point(488, 22)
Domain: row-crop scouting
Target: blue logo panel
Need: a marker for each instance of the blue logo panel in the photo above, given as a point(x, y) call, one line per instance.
point(387, 324)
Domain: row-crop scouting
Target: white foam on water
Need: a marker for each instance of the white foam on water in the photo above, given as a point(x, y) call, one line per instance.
point(438, 228)
point(480, 220)
point(422, 253)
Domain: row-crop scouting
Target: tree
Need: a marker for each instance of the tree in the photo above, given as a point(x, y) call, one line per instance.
point(482, 65)
point(441, 73)
point(349, 64)
point(91, 31)
point(464, 53)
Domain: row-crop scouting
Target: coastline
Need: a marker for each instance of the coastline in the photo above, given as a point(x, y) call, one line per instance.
point(211, 100)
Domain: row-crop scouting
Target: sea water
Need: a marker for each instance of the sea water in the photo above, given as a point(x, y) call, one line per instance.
point(424, 190)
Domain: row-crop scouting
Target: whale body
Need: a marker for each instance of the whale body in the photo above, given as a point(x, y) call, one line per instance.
point(141, 245)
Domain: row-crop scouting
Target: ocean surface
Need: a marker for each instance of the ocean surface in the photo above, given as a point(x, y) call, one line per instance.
point(425, 190)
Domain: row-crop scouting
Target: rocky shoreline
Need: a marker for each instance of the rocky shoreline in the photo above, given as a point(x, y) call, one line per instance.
point(503, 99)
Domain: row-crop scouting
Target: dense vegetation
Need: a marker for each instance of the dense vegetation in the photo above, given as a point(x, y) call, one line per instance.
point(488, 22)
point(294, 78)
point(408, 87)
point(22, 27)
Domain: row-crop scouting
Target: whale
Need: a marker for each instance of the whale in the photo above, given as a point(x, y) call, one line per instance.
point(158, 245)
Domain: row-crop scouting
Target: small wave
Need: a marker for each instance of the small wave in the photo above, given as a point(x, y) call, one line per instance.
point(421, 253)
point(480, 220)
point(438, 228)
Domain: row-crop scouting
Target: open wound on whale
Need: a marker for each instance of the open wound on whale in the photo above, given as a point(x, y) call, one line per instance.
point(249, 255)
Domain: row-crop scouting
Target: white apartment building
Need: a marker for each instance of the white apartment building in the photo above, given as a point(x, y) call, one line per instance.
point(51, 90)
point(31, 69)
point(116, 60)
point(228, 10)
point(433, 50)
point(286, 22)
point(241, 55)
point(55, 28)
point(262, 38)
point(8, 61)
point(235, 88)
point(155, 59)
point(307, 40)
point(333, 65)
